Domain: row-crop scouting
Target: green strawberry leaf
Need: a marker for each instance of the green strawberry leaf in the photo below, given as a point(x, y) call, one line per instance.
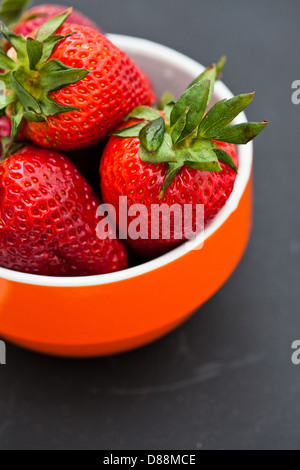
point(195, 98)
point(55, 75)
point(210, 73)
point(176, 130)
point(205, 165)
point(168, 110)
point(28, 101)
point(5, 78)
point(6, 100)
point(152, 135)
point(199, 154)
point(239, 133)
point(225, 158)
point(172, 171)
point(51, 26)
point(222, 114)
point(164, 154)
point(50, 44)
point(34, 51)
point(12, 10)
point(130, 131)
point(166, 99)
point(52, 108)
point(220, 66)
point(143, 112)
point(16, 120)
point(6, 63)
point(33, 117)
point(16, 41)
point(10, 147)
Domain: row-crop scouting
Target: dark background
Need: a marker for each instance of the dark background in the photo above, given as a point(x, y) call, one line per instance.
point(225, 379)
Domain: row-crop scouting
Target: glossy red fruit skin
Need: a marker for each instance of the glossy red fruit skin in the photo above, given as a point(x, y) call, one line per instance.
point(34, 18)
point(123, 173)
point(48, 218)
point(114, 86)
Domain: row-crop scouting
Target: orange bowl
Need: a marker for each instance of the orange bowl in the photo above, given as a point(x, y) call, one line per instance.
point(106, 314)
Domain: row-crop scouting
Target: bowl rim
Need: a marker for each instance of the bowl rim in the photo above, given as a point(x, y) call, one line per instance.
point(150, 49)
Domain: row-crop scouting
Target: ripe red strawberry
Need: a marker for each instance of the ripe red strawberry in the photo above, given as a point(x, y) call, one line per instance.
point(184, 158)
point(48, 218)
point(75, 95)
point(142, 182)
point(34, 18)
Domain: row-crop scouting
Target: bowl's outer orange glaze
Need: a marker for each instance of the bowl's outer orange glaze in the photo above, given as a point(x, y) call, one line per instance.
point(111, 318)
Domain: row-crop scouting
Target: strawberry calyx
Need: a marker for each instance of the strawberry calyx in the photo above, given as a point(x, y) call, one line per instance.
point(10, 146)
point(30, 76)
point(11, 11)
point(183, 132)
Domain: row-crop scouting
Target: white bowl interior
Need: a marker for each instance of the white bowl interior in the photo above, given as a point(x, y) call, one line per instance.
point(169, 71)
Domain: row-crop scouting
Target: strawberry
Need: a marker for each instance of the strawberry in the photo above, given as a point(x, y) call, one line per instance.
point(71, 88)
point(25, 22)
point(179, 156)
point(48, 218)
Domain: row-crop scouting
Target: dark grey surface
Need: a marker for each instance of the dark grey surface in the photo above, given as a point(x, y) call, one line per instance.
point(225, 379)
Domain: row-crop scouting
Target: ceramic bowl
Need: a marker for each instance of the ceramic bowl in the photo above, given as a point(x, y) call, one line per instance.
point(106, 314)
